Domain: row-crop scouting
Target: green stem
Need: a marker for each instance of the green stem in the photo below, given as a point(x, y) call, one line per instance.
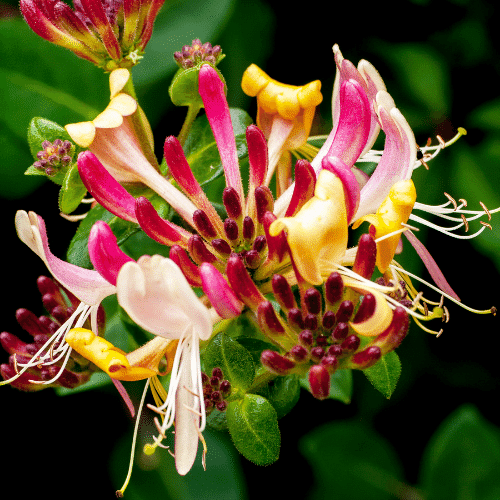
point(191, 115)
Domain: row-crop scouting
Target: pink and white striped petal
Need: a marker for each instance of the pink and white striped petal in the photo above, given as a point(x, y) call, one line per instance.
point(87, 285)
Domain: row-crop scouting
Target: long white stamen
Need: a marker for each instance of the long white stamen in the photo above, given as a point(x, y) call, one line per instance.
point(119, 493)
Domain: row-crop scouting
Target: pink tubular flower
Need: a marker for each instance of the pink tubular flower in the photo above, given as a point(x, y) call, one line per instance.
point(109, 34)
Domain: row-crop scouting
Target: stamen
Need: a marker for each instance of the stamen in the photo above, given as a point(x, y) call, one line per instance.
point(466, 224)
point(155, 409)
point(485, 210)
point(446, 314)
point(73, 218)
point(205, 449)
point(452, 200)
point(485, 224)
point(463, 201)
point(440, 140)
point(120, 492)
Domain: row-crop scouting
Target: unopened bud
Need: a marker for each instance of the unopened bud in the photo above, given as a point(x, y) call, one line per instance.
point(319, 381)
point(276, 363)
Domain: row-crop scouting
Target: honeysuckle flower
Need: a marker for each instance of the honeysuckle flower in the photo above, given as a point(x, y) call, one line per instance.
point(121, 143)
point(88, 286)
point(111, 34)
point(157, 296)
point(284, 112)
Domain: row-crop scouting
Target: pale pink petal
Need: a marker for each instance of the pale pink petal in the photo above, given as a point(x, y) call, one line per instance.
point(186, 422)
point(87, 285)
point(431, 265)
point(156, 295)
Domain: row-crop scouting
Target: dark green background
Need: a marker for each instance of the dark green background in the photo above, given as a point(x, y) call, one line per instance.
point(439, 60)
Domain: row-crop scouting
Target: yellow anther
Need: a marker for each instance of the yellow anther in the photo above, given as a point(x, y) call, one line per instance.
point(138, 365)
point(292, 103)
point(317, 234)
point(392, 213)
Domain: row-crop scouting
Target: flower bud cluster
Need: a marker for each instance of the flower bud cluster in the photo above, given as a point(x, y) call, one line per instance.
point(60, 304)
point(54, 156)
point(215, 390)
point(196, 53)
point(326, 327)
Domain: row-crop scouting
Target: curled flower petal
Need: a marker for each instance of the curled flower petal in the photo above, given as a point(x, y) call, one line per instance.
point(87, 285)
point(317, 235)
point(156, 295)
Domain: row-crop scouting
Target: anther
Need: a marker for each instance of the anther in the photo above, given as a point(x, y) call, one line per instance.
point(486, 225)
point(441, 141)
point(464, 220)
point(446, 314)
point(452, 200)
point(463, 201)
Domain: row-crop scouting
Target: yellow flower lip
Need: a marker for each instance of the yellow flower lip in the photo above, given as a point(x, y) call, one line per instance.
point(275, 97)
point(120, 105)
point(138, 365)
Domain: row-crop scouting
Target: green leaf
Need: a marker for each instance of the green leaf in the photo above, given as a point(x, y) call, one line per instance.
point(283, 393)
point(462, 459)
point(41, 129)
point(350, 461)
point(340, 385)
point(72, 190)
point(384, 374)
point(253, 425)
point(232, 358)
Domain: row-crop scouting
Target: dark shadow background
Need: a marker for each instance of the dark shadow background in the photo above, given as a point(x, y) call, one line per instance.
point(61, 446)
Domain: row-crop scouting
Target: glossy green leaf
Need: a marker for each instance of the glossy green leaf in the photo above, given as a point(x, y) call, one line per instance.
point(41, 129)
point(385, 373)
point(283, 393)
point(350, 461)
point(253, 425)
point(72, 190)
point(462, 459)
point(232, 358)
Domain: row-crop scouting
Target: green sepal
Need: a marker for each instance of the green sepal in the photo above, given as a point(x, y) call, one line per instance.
point(384, 374)
point(233, 359)
point(253, 426)
point(39, 130)
point(72, 190)
point(183, 90)
point(340, 385)
point(283, 393)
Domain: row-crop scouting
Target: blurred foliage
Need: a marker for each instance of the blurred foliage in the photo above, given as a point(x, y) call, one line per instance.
point(439, 61)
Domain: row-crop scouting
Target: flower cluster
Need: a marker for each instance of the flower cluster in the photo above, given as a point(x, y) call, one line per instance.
point(280, 259)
